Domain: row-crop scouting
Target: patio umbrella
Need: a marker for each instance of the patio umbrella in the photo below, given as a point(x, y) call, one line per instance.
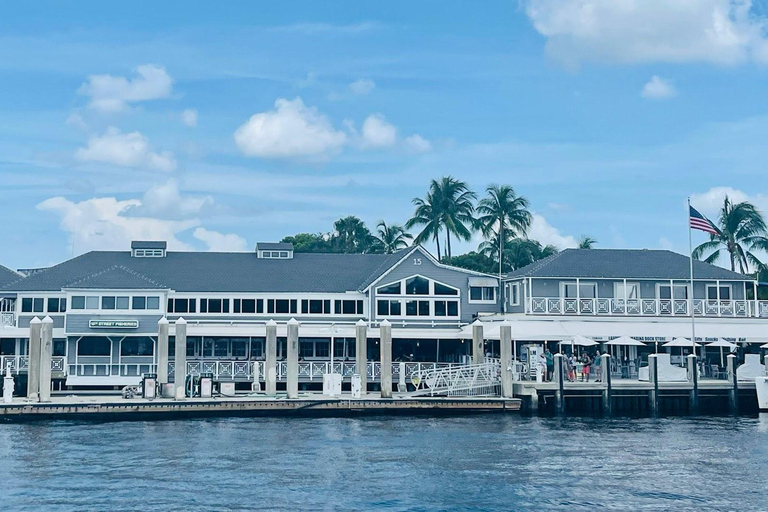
point(764, 346)
point(626, 341)
point(580, 341)
point(680, 342)
point(722, 343)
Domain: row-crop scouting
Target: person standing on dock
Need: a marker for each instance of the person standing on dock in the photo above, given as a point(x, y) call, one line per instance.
point(587, 362)
point(550, 364)
point(598, 367)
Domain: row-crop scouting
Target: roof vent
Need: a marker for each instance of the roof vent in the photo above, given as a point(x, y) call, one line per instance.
point(274, 250)
point(148, 249)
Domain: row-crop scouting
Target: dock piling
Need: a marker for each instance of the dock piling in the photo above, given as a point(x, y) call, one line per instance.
point(361, 354)
point(693, 378)
point(733, 391)
point(385, 342)
point(292, 365)
point(653, 377)
point(33, 370)
point(477, 342)
point(605, 365)
point(180, 360)
point(270, 361)
point(560, 391)
point(505, 352)
point(46, 354)
point(162, 352)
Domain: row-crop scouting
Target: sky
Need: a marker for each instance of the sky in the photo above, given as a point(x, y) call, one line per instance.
point(215, 126)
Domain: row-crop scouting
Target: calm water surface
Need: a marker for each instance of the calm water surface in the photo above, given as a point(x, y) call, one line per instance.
point(470, 463)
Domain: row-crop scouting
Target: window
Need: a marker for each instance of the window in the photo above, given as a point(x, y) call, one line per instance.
point(257, 348)
point(137, 346)
point(417, 286)
point(315, 307)
point(153, 302)
point(122, 302)
point(57, 305)
point(388, 308)
point(182, 305)
point(441, 289)
point(725, 292)
point(108, 302)
point(37, 304)
point(245, 305)
point(139, 303)
point(283, 306)
point(482, 293)
point(78, 302)
point(92, 302)
point(390, 289)
point(417, 308)
point(94, 346)
point(630, 291)
point(26, 305)
point(666, 291)
point(283, 254)
point(148, 253)
point(514, 294)
point(446, 308)
point(214, 305)
point(349, 307)
point(586, 290)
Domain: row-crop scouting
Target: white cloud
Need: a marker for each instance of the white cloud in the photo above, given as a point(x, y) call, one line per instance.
point(102, 223)
point(658, 88)
point(76, 120)
point(559, 207)
point(710, 202)
point(362, 87)
point(290, 130)
point(114, 93)
point(189, 117)
point(220, 242)
point(377, 132)
point(417, 144)
point(165, 201)
point(723, 32)
point(665, 243)
point(547, 234)
point(126, 150)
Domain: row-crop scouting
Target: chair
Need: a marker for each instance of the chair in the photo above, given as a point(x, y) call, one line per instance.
point(715, 372)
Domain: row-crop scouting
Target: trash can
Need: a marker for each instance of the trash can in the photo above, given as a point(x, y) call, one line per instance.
point(206, 385)
point(149, 385)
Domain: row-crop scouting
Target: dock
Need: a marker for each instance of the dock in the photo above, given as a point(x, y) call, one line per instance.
point(116, 408)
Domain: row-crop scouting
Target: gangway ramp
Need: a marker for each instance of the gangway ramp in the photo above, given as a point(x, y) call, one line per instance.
point(468, 380)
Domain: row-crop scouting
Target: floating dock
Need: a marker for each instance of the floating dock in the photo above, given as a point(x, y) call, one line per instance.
point(113, 408)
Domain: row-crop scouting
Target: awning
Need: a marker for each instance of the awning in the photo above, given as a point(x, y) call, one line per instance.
point(483, 281)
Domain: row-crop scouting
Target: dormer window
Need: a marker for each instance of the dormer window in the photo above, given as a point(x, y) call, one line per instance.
point(275, 251)
point(148, 249)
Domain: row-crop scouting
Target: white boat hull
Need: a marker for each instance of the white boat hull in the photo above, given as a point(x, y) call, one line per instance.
point(761, 385)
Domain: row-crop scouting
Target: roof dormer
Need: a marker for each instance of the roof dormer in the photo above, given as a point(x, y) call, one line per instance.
point(148, 249)
point(274, 250)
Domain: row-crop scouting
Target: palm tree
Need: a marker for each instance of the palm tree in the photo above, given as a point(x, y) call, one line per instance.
point(426, 215)
point(742, 230)
point(505, 211)
point(587, 242)
point(392, 238)
point(352, 236)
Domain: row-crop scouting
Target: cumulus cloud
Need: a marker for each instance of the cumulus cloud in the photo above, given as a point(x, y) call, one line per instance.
point(710, 202)
point(290, 130)
point(658, 88)
point(724, 32)
point(126, 150)
point(377, 132)
point(362, 87)
point(189, 117)
point(547, 234)
point(417, 144)
point(220, 242)
point(164, 200)
point(110, 93)
point(103, 223)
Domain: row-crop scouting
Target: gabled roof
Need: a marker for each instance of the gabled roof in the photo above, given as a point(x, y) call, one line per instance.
point(211, 272)
point(624, 264)
point(8, 276)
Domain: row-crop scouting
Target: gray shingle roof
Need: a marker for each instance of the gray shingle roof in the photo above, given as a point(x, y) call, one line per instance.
point(624, 263)
point(7, 276)
point(211, 272)
point(274, 246)
point(149, 244)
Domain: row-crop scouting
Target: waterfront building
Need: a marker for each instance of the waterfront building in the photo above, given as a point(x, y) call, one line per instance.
point(106, 305)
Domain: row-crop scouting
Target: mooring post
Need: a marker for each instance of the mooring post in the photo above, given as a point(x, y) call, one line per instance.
point(46, 355)
point(33, 366)
point(605, 365)
point(361, 354)
point(653, 377)
point(180, 360)
point(385, 349)
point(270, 359)
point(8, 386)
point(477, 342)
point(292, 369)
point(162, 352)
point(693, 378)
point(733, 390)
point(505, 352)
point(560, 391)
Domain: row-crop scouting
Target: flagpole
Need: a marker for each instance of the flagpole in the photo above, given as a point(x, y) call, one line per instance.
point(690, 253)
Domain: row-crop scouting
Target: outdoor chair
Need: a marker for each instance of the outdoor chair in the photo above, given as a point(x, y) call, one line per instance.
point(715, 372)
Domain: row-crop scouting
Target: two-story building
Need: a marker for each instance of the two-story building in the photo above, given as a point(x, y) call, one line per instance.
point(106, 305)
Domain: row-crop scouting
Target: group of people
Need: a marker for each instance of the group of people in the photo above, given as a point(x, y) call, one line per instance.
point(588, 363)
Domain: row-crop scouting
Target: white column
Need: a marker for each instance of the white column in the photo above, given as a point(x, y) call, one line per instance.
point(385, 347)
point(162, 351)
point(270, 361)
point(46, 354)
point(180, 360)
point(361, 354)
point(477, 342)
point(292, 371)
point(33, 356)
point(505, 349)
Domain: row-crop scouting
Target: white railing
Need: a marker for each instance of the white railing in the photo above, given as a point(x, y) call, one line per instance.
point(463, 380)
point(646, 307)
point(7, 319)
point(19, 364)
point(309, 371)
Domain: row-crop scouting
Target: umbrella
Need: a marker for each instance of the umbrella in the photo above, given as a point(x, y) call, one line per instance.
point(581, 341)
point(626, 341)
point(722, 343)
point(680, 342)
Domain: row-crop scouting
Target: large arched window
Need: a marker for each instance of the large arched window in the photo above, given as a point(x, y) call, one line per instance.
point(436, 300)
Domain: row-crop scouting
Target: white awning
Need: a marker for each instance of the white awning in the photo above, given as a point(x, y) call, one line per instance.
point(483, 281)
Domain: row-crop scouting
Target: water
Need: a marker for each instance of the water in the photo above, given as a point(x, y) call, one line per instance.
point(491, 462)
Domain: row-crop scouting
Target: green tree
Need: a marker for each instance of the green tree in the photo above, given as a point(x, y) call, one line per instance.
point(742, 231)
point(427, 215)
point(587, 242)
point(506, 213)
point(518, 252)
point(391, 238)
point(352, 236)
point(310, 242)
point(473, 261)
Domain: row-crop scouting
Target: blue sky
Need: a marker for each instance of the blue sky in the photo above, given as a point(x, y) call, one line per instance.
point(218, 126)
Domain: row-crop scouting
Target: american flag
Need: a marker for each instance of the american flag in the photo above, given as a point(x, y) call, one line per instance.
point(698, 221)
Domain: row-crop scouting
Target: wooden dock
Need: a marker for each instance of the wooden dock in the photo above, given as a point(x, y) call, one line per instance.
point(114, 408)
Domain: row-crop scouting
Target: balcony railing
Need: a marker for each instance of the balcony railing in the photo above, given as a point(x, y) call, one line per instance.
point(20, 364)
point(646, 307)
point(7, 319)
